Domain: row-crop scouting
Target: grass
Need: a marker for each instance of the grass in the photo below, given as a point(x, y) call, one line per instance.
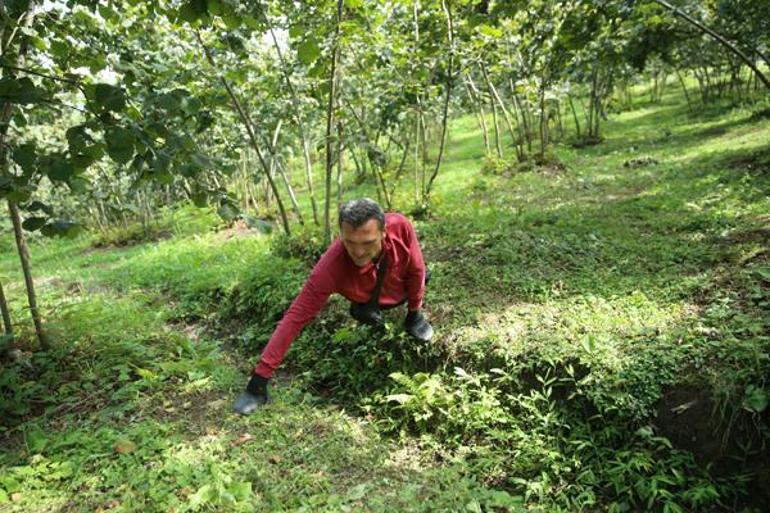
point(582, 308)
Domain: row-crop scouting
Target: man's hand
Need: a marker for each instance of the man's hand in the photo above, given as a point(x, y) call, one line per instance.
point(254, 396)
point(418, 326)
point(366, 314)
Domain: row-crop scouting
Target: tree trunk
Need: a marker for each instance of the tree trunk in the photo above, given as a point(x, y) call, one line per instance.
point(21, 245)
point(506, 114)
point(543, 127)
point(498, 146)
point(330, 123)
point(475, 97)
point(446, 5)
point(401, 166)
point(298, 117)
point(339, 163)
point(292, 197)
point(684, 89)
point(246, 120)
point(417, 157)
point(7, 325)
point(574, 116)
point(522, 112)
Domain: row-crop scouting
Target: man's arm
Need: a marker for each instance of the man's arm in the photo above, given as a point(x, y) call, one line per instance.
point(303, 309)
point(415, 275)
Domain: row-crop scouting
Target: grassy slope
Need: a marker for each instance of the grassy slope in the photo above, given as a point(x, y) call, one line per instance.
point(644, 274)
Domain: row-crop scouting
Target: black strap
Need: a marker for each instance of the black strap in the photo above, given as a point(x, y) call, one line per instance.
point(374, 301)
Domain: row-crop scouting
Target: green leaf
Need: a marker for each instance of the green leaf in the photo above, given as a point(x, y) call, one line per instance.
point(3, 496)
point(78, 138)
point(10, 483)
point(755, 399)
point(589, 343)
point(32, 224)
point(227, 211)
point(25, 156)
point(60, 49)
point(19, 195)
point(57, 167)
point(36, 440)
point(215, 7)
point(193, 10)
point(204, 494)
point(97, 63)
point(399, 398)
point(232, 21)
point(308, 51)
point(296, 31)
point(109, 97)
point(241, 490)
point(200, 199)
point(120, 144)
point(37, 206)
point(490, 31)
point(21, 91)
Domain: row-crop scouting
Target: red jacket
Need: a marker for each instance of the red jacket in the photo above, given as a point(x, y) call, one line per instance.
point(335, 272)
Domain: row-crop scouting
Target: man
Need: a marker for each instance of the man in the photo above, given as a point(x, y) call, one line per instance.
point(376, 263)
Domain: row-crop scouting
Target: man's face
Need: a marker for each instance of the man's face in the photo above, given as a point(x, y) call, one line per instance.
point(364, 243)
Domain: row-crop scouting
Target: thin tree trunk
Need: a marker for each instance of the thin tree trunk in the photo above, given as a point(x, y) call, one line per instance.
point(21, 245)
point(574, 116)
point(417, 157)
point(446, 5)
point(25, 21)
point(246, 120)
point(339, 162)
point(401, 166)
point(475, 97)
point(498, 146)
point(298, 117)
point(7, 324)
point(684, 88)
point(506, 115)
point(523, 112)
point(543, 127)
point(724, 42)
point(330, 123)
point(292, 197)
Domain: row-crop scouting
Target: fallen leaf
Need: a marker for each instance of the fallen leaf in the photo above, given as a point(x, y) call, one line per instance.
point(16, 496)
point(124, 446)
point(275, 459)
point(246, 437)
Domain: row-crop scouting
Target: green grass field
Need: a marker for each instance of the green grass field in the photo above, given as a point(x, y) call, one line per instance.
point(603, 333)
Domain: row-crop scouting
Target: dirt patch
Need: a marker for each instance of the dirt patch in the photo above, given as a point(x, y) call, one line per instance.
point(585, 142)
point(239, 228)
point(758, 162)
point(755, 235)
point(640, 161)
point(132, 239)
point(692, 420)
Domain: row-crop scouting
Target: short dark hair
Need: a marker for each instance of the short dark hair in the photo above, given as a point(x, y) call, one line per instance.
point(358, 211)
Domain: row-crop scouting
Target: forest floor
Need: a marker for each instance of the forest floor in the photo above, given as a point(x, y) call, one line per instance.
point(609, 318)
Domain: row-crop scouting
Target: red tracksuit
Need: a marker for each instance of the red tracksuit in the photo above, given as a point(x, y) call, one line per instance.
point(335, 272)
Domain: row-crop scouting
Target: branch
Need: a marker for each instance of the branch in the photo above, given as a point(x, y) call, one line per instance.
point(40, 74)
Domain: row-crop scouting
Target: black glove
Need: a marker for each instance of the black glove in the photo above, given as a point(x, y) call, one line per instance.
point(254, 396)
point(418, 326)
point(367, 314)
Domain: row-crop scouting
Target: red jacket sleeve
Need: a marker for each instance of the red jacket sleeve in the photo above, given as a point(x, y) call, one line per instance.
point(415, 273)
point(305, 307)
